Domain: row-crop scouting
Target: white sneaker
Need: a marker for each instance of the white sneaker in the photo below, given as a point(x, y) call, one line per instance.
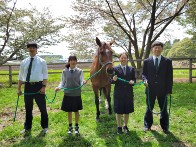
point(45, 131)
point(24, 131)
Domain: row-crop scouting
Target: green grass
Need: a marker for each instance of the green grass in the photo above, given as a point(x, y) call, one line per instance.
point(103, 133)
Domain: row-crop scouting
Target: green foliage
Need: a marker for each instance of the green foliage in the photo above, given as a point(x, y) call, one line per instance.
point(167, 46)
point(165, 52)
point(189, 19)
point(184, 48)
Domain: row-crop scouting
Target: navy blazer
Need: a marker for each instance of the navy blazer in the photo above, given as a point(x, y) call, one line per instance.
point(160, 82)
point(130, 75)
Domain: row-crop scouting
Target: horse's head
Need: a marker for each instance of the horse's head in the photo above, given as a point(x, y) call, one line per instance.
point(105, 55)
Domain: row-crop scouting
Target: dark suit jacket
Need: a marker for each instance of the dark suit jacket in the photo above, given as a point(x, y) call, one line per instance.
point(160, 83)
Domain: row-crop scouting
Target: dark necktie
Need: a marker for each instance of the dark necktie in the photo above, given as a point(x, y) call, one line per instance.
point(156, 64)
point(29, 70)
point(124, 70)
point(71, 70)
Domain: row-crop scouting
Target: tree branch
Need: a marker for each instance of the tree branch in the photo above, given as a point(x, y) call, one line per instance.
point(123, 15)
point(112, 14)
point(172, 18)
point(7, 33)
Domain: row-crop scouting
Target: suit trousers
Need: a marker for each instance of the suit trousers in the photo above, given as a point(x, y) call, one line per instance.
point(41, 102)
point(164, 117)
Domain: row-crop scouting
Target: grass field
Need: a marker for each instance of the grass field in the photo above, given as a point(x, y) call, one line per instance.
point(103, 133)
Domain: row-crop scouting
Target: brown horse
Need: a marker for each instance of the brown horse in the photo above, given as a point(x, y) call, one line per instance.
point(102, 62)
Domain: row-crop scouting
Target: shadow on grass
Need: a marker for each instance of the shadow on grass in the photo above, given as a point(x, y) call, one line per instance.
point(168, 140)
point(132, 139)
point(29, 140)
point(72, 140)
point(107, 130)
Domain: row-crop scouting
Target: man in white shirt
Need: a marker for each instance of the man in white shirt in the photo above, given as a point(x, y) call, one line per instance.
point(34, 74)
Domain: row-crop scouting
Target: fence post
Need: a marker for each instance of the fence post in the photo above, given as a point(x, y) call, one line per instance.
point(190, 70)
point(10, 75)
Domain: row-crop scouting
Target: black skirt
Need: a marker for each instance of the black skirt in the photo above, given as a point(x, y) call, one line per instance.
point(71, 103)
point(123, 101)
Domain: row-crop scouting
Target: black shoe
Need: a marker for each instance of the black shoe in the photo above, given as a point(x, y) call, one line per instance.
point(77, 130)
point(147, 129)
point(70, 130)
point(126, 130)
point(166, 131)
point(119, 130)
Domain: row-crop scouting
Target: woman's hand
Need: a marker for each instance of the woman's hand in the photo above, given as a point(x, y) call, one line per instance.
point(131, 82)
point(146, 83)
point(57, 89)
point(84, 81)
point(115, 78)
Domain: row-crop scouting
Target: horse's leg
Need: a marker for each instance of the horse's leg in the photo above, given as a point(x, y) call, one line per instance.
point(105, 96)
point(108, 90)
point(100, 95)
point(96, 90)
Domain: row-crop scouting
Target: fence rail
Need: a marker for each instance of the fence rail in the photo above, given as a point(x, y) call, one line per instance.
point(87, 64)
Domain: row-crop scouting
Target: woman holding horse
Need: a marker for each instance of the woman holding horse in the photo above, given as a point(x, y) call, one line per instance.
point(72, 77)
point(123, 92)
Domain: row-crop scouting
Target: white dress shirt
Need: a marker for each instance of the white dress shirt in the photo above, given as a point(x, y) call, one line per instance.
point(39, 70)
point(159, 59)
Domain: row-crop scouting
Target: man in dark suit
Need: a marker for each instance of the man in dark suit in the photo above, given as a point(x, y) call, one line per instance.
point(158, 78)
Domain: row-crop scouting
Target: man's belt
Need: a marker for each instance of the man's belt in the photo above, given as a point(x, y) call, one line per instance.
point(33, 83)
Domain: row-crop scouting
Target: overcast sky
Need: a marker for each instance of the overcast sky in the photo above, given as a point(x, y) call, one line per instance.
point(62, 8)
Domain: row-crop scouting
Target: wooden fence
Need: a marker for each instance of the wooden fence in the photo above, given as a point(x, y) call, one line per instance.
point(185, 64)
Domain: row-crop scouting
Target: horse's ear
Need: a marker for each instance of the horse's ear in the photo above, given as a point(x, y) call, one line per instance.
point(111, 42)
point(98, 42)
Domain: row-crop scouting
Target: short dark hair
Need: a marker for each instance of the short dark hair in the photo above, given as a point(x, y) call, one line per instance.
point(32, 44)
point(157, 43)
point(123, 54)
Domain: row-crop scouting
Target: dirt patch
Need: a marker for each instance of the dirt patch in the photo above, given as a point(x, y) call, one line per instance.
point(180, 144)
point(7, 115)
point(183, 80)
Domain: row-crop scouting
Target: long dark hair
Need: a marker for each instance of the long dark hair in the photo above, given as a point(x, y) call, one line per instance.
point(69, 59)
